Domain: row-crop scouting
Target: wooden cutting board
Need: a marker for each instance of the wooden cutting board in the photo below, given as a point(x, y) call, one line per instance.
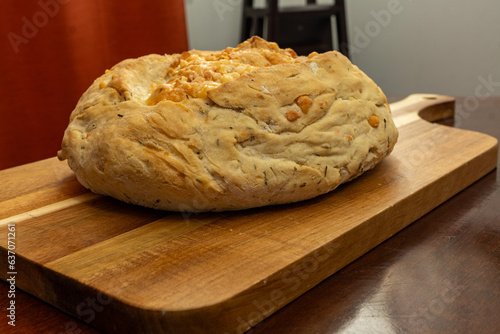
point(126, 269)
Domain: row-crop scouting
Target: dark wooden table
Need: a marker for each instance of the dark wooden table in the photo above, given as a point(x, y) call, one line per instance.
point(439, 275)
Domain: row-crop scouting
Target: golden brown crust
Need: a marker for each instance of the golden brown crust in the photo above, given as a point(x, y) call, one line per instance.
point(233, 129)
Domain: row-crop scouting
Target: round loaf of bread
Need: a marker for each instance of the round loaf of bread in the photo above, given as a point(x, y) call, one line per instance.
point(234, 129)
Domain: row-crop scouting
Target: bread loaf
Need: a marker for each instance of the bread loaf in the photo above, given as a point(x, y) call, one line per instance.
point(234, 129)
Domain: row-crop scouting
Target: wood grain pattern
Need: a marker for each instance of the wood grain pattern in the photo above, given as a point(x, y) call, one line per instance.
point(178, 272)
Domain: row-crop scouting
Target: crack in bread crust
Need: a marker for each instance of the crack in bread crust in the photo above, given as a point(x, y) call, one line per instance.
point(227, 130)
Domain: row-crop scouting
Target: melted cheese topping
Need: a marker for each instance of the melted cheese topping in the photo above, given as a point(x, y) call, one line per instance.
point(191, 74)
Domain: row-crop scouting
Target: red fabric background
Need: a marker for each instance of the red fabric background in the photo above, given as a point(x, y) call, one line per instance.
point(52, 50)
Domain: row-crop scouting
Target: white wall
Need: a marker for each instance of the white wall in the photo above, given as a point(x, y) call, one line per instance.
point(213, 24)
point(425, 46)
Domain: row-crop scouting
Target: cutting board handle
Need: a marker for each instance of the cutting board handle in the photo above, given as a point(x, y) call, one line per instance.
point(430, 107)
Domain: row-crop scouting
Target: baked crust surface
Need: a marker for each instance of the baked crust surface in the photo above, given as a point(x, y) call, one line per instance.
point(227, 130)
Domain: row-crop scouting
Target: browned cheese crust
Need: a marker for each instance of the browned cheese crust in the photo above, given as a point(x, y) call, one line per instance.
point(234, 129)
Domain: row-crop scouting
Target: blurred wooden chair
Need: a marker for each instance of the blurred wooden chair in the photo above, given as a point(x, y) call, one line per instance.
point(52, 50)
point(304, 28)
